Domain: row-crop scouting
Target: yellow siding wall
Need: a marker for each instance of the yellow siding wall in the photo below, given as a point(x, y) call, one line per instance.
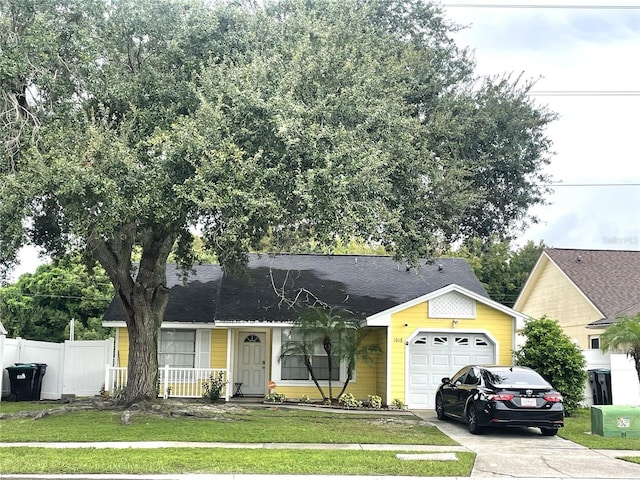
point(499, 325)
point(122, 357)
point(381, 363)
point(414, 317)
point(554, 296)
point(219, 348)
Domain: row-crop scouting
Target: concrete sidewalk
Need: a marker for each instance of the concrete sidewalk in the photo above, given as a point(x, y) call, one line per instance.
point(249, 446)
point(253, 477)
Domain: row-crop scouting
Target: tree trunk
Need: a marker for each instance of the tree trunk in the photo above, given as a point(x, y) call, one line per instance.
point(307, 363)
point(344, 387)
point(326, 344)
point(149, 301)
point(143, 298)
point(142, 373)
point(350, 369)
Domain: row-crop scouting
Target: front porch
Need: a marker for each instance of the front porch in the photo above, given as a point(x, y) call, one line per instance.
point(173, 382)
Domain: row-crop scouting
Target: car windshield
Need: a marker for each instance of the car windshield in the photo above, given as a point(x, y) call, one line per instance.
point(507, 376)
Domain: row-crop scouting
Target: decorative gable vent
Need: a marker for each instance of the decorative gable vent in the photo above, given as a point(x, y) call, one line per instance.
point(452, 305)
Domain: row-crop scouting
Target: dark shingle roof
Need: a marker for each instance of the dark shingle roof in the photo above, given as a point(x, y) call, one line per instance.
point(275, 287)
point(609, 278)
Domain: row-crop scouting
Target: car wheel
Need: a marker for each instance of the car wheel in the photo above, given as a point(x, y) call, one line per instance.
point(549, 432)
point(440, 408)
point(472, 420)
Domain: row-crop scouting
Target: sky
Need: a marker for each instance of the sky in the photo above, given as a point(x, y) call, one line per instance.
point(594, 48)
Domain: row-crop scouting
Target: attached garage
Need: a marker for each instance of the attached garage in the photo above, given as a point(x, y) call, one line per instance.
point(433, 355)
point(435, 335)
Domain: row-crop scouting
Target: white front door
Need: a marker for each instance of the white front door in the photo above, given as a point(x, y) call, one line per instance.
point(251, 363)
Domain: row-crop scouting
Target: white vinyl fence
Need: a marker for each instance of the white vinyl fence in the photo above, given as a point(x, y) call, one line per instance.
point(73, 367)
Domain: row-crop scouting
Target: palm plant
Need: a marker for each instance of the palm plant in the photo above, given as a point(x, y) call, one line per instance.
point(318, 325)
point(624, 335)
point(353, 350)
point(304, 348)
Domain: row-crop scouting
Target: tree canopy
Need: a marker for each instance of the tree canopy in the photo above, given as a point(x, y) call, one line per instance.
point(501, 269)
point(39, 306)
point(126, 125)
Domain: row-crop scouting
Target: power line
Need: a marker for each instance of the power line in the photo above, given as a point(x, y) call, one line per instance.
point(586, 93)
point(542, 6)
point(590, 185)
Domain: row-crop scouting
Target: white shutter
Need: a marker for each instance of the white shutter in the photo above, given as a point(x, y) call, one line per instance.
point(203, 348)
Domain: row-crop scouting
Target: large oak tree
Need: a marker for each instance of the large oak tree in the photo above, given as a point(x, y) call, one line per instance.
point(126, 124)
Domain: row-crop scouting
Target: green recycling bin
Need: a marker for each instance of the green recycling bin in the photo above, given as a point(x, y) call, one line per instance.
point(615, 421)
point(22, 379)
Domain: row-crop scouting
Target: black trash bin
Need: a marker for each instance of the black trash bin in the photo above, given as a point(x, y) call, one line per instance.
point(596, 389)
point(604, 379)
point(36, 388)
point(37, 380)
point(21, 378)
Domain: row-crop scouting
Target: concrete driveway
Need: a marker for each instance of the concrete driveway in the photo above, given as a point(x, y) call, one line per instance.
point(525, 453)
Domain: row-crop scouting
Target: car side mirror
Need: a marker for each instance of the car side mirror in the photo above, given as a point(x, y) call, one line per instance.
point(446, 380)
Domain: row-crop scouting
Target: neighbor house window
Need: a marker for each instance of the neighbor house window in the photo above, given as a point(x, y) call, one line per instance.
point(292, 367)
point(594, 342)
point(177, 348)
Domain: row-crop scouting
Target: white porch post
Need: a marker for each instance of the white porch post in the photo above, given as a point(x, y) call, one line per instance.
point(228, 387)
point(165, 389)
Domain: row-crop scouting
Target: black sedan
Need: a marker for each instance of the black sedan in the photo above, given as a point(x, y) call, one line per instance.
point(483, 396)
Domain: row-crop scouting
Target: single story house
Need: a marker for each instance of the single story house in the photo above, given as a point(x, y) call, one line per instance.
point(584, 290)
point(428, 322)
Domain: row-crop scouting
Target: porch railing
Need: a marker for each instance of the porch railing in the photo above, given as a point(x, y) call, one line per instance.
point(173, 382)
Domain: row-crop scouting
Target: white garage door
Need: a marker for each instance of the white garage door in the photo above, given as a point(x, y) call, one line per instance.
point(436, 355)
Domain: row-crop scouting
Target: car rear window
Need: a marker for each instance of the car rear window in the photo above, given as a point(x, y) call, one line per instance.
point(507, 376)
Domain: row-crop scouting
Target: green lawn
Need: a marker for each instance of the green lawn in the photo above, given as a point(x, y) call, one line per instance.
point(203, 460)
point(241, 425)
point(578, 429)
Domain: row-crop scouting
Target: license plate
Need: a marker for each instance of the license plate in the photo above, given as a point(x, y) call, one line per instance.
point(528, 402)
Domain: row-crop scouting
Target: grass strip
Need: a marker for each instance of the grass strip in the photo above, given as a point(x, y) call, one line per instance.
point(14, 407)
point(225, 461)
point(577, 428)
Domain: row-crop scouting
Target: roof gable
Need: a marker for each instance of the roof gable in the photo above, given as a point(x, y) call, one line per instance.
point(384, 318)
point(609, 279)
point(276, 287)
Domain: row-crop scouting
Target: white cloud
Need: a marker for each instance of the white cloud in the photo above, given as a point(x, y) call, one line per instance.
point(595, 137)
